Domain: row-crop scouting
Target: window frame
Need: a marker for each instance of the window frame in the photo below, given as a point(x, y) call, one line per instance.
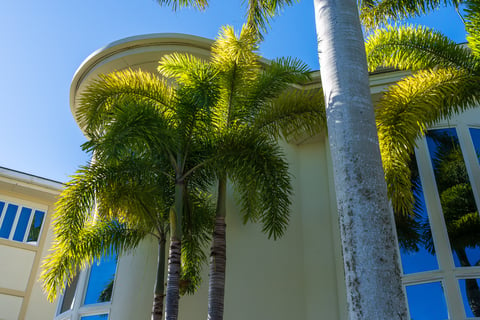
point(34, 206)
point(79, 309)
point(447, 273)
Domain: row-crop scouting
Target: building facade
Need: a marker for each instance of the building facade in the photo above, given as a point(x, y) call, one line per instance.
point(299, 276)
point(26, 206)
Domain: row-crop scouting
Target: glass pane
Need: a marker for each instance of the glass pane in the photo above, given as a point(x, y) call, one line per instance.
point(471, 296)
point(22, 224)
point(96, 317)
point(475, 134)
point(414, 234)
point(68, 295)
point(100, 282)
point(427, 302)
point(456, 196)
point(2, 205)
point(8, 221)
point(36, 226)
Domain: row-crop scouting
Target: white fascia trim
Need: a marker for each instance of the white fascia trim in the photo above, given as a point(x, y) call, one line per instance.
point(30, 181)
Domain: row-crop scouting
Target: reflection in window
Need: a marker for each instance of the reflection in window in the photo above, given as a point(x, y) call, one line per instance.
point(475, 135)
point(427, 301)
point(88, 297)
point(68, 295)
point(414, 234)
point(100, 282)
point(470, 296)
point(456, 196)
point(36, 226)
point(95, 317)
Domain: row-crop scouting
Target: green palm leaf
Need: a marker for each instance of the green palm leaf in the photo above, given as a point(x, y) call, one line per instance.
point(411, 48)
point(405, 112)
point(376, 12)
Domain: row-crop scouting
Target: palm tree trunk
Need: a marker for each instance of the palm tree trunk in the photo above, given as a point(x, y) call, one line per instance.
point(159, 293)
point(173, 280)
point(174, 258)
point(370, 252)
point(218, 257)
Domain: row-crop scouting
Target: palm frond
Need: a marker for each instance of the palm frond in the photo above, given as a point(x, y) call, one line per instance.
point(472, 25)
point(102, 95)
point(92, 242)
point(238, 64)
point(410, 48)
point(272, 80)
point(293, 114)
point(405, 112)
point(178, 4)
point(377, 12)
point(134, 127)
point(75, 203)
point(230, 49)
point(198, 227)
point(184, 68)
point(260, 12)
point(256, 165)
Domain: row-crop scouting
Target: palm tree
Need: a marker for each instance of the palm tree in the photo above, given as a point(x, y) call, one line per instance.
point(79, 239)
point(362, 202)
point(135, 119)
point(366, 220)
point(252, 110)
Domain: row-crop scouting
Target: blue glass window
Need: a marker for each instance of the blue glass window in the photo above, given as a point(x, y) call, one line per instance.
point(100, 282)
point(475, 135)
point(427, 301)
point(22, 224)
point(456, 196)
point(95, 317)
point(8, 220)
point(2, 205)
point(417, 250)
point(36, 226)
point(470, 289)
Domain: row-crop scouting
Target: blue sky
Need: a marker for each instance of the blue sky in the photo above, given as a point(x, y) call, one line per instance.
point(43, 43)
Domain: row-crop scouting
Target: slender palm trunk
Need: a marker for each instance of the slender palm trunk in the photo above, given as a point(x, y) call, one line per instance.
point(370, 253)
point(218, 257)
point(174, 257)
point(159, 293)
point(173, 280)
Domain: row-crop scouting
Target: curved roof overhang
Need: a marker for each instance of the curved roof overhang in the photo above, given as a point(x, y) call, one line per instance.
point(138, 52)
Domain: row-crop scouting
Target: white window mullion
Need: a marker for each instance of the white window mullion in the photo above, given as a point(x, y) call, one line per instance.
point(4, 212)
point(471, 160)
point(29, 225)
point(15, 222)
point(434, 208)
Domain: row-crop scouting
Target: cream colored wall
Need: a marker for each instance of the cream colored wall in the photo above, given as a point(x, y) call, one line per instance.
point(10, 307)
point(17, 264)
point(134, 283)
